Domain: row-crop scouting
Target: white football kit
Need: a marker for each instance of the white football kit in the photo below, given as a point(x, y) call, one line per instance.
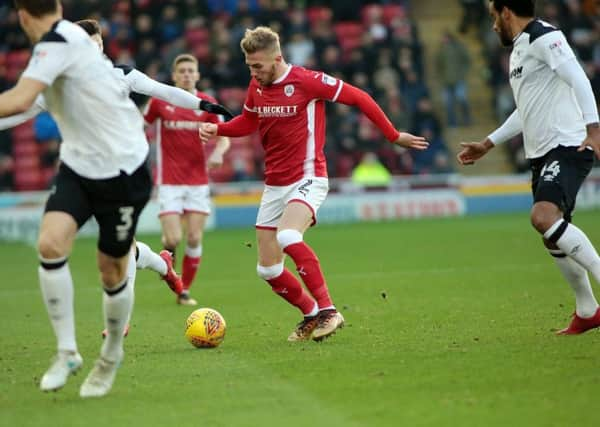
point(552, 93)
point(101, 127)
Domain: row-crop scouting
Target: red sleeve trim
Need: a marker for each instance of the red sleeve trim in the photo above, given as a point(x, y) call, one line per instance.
point(351, 95)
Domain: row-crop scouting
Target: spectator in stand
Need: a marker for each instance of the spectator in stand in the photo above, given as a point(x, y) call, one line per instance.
point(413, 89)
point(300, 49)
point(452, 64)
point(370, 172)
point(473, 12)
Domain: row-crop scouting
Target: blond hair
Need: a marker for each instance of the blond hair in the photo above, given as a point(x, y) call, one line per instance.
point(184, 57)
point(260, 38)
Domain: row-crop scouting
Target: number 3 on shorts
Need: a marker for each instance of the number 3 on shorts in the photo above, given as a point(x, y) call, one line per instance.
point(127, 221)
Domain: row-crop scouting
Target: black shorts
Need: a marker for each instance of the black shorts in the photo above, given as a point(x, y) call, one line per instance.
point(116, 203)
point(558, 175)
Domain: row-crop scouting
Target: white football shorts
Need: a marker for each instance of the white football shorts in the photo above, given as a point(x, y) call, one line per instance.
point(310, 191)
point(180, 199)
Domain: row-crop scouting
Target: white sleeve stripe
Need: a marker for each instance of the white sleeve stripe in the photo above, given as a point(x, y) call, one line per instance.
point(337, 93)
point(252, 110)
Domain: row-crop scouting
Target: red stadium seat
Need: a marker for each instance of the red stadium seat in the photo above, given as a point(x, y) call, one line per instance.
point(195, 36)
point(201, 52)
point(25, 148)
point(391, 11)
point(24, 131)
point(318, 13)
point(235, 94)
point(17, 58)
point(27, 162)
point(13, 73)
point(28, 179)
point(345, 30)
point(366, 11)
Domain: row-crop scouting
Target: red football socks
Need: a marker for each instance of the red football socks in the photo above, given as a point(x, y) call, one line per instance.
point(309, 269)
point(190, 267)
point(287, 286)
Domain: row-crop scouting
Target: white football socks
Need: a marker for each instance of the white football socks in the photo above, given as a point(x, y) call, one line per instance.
point(577, 276)
point(57, 291)
point(149, 259)
point(118, 303)
point(575, 244)
point(131, 273)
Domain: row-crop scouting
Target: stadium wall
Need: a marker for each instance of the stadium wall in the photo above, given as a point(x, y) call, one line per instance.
point(20, 213)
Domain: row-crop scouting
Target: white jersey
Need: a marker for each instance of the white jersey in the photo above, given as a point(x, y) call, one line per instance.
point(101, 127)
point(546, 104)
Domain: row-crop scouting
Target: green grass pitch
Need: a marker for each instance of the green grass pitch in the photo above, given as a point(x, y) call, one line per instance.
point(463, 337)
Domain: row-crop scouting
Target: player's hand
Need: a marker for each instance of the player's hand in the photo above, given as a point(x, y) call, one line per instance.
point(592, 140)
point(215, 160)
point(407, 140)
point(218, 109)
point(472, 151)
point(207, 131)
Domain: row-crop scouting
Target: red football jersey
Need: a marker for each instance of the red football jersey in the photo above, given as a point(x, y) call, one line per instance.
point(291, 115)
point(180, 154)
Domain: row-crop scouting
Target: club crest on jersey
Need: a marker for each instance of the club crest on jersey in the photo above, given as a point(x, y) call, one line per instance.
point(288, 90)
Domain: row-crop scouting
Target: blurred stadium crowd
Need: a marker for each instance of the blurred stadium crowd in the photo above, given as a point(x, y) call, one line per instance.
point(374, 45)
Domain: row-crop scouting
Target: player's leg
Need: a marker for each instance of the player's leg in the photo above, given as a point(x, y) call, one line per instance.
point(66, 210)
point(556, 182)
point(195, 222)
point(299, 214)
point(116, 208)
point(271, 266)
point(196, 206)
point(271, 269)
point(161, 263)
point(131, 274)
point(297, 217)
point(171, 199)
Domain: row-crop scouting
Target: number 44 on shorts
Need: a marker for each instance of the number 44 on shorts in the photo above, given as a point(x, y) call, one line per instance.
point(126, 222)
point(551, 171)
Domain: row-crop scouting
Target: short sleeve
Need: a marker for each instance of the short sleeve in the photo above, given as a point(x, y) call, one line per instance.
point(553, 49)
point(48, 61)
point(319, 85)
point(151, 112)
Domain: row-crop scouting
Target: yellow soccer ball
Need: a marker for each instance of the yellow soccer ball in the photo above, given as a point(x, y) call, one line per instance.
point(205, 328)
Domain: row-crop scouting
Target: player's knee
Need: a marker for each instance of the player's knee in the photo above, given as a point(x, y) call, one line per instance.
point(111, 275)
point(193, 240)
point(50, 247)
point(544, 215)
point(542, 219)
point(288, 237)
point(171, 241)
point(270, 272)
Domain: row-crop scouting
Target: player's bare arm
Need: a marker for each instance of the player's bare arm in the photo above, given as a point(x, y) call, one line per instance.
point(407, 140)
point(216, 157)
point(20, 98)
point(207, 131)
point(473, 151)
point(592, 139)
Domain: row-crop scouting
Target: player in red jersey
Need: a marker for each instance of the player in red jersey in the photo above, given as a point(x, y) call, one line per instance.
point(182, 179)
point(285, 103)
